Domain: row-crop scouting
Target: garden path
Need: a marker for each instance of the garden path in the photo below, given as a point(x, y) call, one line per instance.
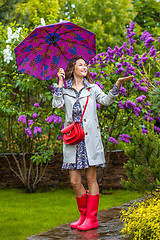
point(109, 228)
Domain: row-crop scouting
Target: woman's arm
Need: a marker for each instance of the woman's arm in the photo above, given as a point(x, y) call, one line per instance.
point(105, 99)
point(58, 100)
point(121, 80)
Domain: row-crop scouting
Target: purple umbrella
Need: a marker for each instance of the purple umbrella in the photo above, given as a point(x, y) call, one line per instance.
point(52, 46)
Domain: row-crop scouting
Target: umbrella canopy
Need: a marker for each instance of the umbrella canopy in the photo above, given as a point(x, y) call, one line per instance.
point(52, 46)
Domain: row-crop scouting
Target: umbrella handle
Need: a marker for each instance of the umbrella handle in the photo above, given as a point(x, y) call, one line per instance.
point(64, 82)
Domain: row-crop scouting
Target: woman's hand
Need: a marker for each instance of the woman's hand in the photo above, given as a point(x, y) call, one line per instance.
point(60, 74)
point(121, 80)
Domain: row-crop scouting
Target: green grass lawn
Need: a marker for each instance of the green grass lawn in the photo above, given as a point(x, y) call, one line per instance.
point(23, 215)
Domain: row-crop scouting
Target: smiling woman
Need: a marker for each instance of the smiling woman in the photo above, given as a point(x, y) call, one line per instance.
point(81, 94)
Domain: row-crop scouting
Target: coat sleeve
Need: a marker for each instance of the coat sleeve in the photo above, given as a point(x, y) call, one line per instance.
point(103, 98)
point(58, 100)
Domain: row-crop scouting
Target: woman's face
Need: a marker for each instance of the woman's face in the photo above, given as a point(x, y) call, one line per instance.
point(80, 68)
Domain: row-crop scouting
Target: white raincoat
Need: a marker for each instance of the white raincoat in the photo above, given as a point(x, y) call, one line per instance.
point(94, 147)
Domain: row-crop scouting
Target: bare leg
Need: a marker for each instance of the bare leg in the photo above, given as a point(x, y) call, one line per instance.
point(91, 174)
point(75, 179)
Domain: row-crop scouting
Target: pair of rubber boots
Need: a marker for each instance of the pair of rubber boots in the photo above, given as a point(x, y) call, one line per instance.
point(88, 207)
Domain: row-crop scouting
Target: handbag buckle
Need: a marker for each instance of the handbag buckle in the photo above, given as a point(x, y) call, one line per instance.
point(68, 134)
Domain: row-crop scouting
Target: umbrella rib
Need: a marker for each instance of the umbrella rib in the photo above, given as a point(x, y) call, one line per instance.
point(61, 51)
point(76, 43)
point(43, 37)
point(75, 30)
point(50, 35)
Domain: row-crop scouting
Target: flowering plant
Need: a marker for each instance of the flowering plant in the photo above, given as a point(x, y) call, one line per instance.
point(133, 105)
point(30, 125)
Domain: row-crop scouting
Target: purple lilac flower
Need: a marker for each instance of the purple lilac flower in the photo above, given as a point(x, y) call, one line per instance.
point(130, 105)
point(124, 138)
point(98, 105)
point(129, 70)
point(122, 90)
point(143, 59)
point(106, 75)
point(140, 98)
point(145, 35)
point(110, 54)
point(54, 118)
point(22, 118)
point(121, 105)
point(119, 71)
point(59, 137)
point(29, 132)
point(93, 75)
point(158, 39)
point(111, 139)
point(129, 51)
point(157, 82)
point(153, 52)
point(138, 86)
point(99, 84)
point(53, 91)
point(36, 105)
point(157, 119)
point(30, 122)
point(143, 81)
point(136, 57)
point(137, 110)
point(118, 51)
point(149, 41)
point(147, 38)
point(37, 129)
point(147, 104)
point(124, 45)
point(157, 74)
point(144, 131)
point(148, 117)
point(34, 115)
point(130, 33)
point(145, 89)
point(157, 129)
point(50, 87)
point(119, 65)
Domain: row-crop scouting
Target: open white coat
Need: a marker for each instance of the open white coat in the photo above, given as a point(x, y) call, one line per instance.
point(94, 146)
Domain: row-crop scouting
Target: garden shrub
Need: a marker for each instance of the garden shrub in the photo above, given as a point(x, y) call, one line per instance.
point(143, 166)
point(142, 220)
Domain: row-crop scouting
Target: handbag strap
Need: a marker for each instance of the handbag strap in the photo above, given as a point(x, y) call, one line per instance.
point(84, 107)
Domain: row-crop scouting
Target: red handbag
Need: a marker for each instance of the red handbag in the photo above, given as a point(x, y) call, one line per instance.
point(74, 133)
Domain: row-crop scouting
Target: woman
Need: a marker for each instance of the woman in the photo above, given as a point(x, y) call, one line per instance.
point(89, 153)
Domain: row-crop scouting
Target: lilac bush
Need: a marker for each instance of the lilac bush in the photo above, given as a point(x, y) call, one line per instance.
point(25, 105)
point(133, 105)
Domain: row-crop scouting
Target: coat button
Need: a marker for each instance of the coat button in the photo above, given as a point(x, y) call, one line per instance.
point(83, 106)
point(85, 120)
point(86, 133)
point(97, 127)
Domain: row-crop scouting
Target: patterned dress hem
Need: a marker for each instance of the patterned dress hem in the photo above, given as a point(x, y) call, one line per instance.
point(73, 166)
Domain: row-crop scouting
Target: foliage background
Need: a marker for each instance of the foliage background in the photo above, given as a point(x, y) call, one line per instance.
point(116, 57)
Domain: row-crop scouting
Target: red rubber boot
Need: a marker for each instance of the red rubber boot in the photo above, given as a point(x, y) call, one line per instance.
point(82, 206)
point(91, 221)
